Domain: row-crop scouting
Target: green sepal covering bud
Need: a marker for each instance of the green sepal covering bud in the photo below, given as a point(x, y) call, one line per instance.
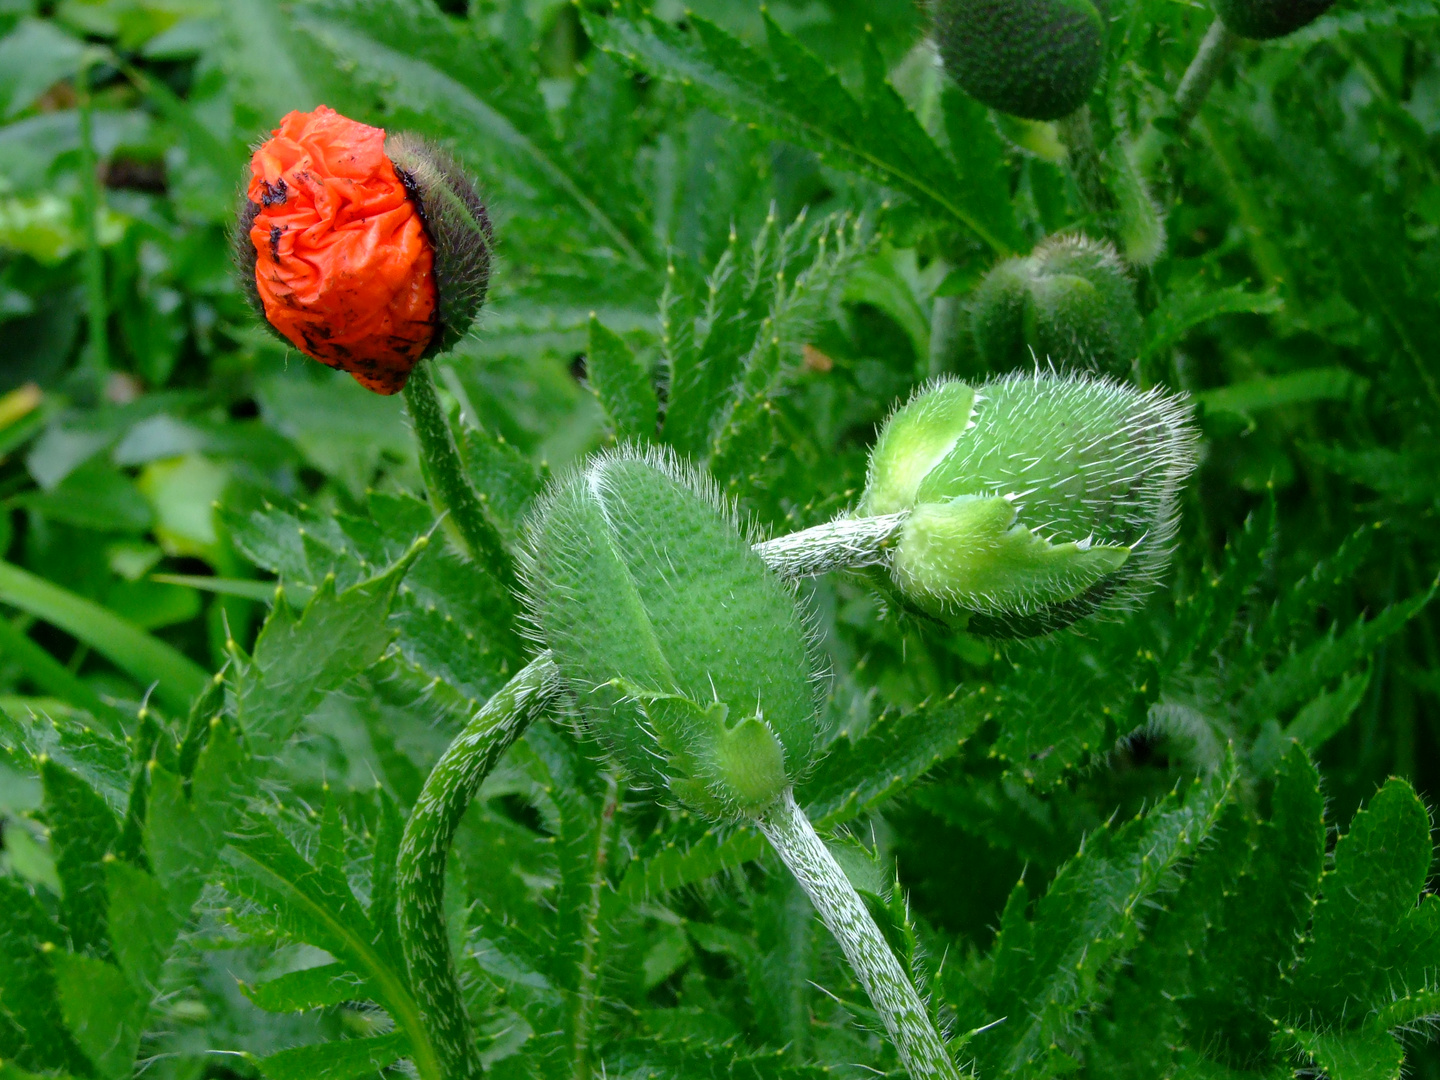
point(1033, 500)
point(1070, 301)
point(1037, 59)
point(687, 657)
point(458, 227)
point(1267, 19)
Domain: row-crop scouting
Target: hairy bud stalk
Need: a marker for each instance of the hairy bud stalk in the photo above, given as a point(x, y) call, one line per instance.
point(1038, 59)
point(1069, 302)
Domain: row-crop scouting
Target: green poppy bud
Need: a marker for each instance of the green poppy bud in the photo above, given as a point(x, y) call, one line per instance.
point(1069, 301)
point(1266, 19)
point(1037, 59)
point(687, 657)
point(1033, 500)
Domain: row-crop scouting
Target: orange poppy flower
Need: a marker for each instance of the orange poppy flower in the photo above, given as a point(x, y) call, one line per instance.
point(344, 266)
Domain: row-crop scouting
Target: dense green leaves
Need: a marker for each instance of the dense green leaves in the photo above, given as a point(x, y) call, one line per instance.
point(748, 236)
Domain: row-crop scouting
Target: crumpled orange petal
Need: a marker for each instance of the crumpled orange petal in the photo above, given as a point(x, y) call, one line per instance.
point(342, 261)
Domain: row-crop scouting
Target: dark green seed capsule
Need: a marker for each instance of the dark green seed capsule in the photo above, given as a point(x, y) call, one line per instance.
point(1070, 302)
point(685, 654)
point(1038, 59)
point(1266, 19)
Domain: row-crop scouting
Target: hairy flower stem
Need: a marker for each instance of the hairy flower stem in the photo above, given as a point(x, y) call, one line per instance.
point(420, 877)
point(445, 476)
point(1194, 87)
point(1086, 167)
point(906, 1019)
point(844, 544)
point(584, 1015)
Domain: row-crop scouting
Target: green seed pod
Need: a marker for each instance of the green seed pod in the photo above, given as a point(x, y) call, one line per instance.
point(1266, 19)
point(1037, 59)
point(1033, 500)
point(1069, 301)
point(686, 656)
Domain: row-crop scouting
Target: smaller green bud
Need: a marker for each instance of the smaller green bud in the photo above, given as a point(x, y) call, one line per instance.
point(687, 657)
point(1068, 302)
point(1037, 59)
point(1032, 500)
point(1263, 20)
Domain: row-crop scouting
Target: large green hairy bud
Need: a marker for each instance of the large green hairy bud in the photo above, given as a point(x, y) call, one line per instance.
point(686, 656)
point(1030, 501)
point(1266, 19)
point(1069, 301)
point(1033, 58)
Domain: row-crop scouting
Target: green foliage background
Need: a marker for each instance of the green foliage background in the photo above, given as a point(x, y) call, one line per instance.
point(1133, 849)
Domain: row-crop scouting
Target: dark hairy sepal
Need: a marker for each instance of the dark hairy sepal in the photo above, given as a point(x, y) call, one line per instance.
point(244, 255)
point(458, 227)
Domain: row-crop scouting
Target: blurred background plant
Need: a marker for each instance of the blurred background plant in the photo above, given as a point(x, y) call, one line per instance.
point(792, 235)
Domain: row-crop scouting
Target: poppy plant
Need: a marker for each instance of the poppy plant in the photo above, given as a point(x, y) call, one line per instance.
point(366, 252)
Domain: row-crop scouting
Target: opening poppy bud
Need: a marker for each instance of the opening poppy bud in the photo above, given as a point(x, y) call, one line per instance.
point(1070, 302)
point(366, 253)
point(1038, 59)
point(1033, 500)
point(1266, 19)
point(687, 657)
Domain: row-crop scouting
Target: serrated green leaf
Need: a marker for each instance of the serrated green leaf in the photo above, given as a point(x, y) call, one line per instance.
point(185, 829)
point(340, 1060)
point(315, 904)
point(32, 1031)
point(1306, 673)
point(621, 383)
point(82, 832)
point(309, 988)
point(1047, 970)
point(793, 95)
point(142, 928)
point(1181, 312)
point(1326, 713)
point(1381, 865)
point(1299, 388)
point(102, 1010)
point(300, 658)
point(1353, 1055)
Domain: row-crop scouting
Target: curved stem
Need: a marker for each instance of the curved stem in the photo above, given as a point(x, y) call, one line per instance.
point(445, 475)
point(1085, 165)
point(420, 877)
point(844, 544)
point(1200, 75)
point(906, 1019)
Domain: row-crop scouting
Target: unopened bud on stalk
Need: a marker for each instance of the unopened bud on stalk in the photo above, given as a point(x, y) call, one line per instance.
point(687, 657)
point(1032, 500)
point(366, 253)
point(1038, 59)
point(1266, 19)
point(1069, 301)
